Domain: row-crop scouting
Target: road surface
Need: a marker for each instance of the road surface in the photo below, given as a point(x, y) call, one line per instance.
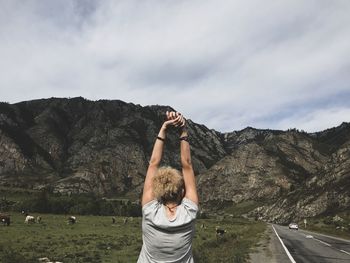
point(307, 247)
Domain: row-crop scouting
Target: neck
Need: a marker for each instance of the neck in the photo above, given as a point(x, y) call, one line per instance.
point(171, 206)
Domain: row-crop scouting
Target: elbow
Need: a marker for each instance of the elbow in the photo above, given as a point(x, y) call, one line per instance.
point(154, 162)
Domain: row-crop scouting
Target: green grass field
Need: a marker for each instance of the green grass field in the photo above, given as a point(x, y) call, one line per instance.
point(96, 239)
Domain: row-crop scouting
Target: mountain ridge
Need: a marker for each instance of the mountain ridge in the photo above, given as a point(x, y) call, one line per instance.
point(80, 146)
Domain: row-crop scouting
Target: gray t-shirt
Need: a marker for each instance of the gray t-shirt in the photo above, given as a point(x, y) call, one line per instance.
point(167, 240)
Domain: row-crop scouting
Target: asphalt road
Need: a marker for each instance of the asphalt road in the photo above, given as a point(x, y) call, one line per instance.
point(309, 247)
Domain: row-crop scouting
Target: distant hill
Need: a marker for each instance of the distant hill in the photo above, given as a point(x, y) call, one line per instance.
point(80, 146)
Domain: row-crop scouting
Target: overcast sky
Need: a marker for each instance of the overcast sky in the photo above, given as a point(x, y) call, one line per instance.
point(225, 64)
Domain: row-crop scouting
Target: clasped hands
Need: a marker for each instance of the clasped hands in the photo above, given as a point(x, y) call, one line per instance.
point(175, 119)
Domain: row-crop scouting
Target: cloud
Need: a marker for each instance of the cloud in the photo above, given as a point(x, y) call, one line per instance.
point(315, 121)
point(226, 64)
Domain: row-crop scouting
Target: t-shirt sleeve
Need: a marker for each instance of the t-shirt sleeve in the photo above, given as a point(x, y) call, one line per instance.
point(190, 207)
point(148, 208)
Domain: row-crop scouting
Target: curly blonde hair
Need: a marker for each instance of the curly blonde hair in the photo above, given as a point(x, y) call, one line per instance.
point(168, 185)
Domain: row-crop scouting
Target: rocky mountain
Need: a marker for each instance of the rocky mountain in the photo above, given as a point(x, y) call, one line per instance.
point(282, 176)
point(78, 146)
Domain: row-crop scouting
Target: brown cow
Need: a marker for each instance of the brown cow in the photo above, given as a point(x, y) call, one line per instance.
point(5, 219)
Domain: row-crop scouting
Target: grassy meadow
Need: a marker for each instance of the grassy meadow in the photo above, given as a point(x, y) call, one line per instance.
point(96, 239)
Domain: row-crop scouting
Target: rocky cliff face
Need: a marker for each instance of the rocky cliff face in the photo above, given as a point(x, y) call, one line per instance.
point(76, 145)
point(286, 174)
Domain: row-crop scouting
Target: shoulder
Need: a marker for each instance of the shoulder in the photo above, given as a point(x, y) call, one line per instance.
point(150, 207)
point(190, 206)
point(189, 203)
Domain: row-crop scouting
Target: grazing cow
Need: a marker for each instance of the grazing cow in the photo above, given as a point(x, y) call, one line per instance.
point(38, 219)
point(47, 260)
point(125, 221)
point(29, 219)
point(72, 220)
point(220, 231)
point(5, 219)
point(44, 260)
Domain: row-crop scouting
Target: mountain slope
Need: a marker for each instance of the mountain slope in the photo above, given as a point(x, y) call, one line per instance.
point(83, 146)
point(78, 146)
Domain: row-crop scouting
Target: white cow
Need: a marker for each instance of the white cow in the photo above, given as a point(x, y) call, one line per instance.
point(72, 220)
point(47, 260)
point(29, 219)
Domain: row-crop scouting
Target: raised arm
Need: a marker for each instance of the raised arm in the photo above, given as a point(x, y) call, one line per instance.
point(156, 158)
point(187, 169)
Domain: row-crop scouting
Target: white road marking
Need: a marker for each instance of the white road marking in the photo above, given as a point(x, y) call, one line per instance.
point(285, 248)
point(345, 252)
point(310, 236)
point(322, 242)
point(329, 245)
point(332, 237)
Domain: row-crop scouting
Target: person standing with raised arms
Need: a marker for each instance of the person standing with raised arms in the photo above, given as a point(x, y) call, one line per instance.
point(169, 202)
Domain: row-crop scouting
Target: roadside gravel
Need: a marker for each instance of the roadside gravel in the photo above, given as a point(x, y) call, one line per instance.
point(269, 249)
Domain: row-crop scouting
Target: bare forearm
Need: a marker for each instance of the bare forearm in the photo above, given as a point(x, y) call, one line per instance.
point(157, 152)
point(156, 157)
point(187, 170)
point(185, 150)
